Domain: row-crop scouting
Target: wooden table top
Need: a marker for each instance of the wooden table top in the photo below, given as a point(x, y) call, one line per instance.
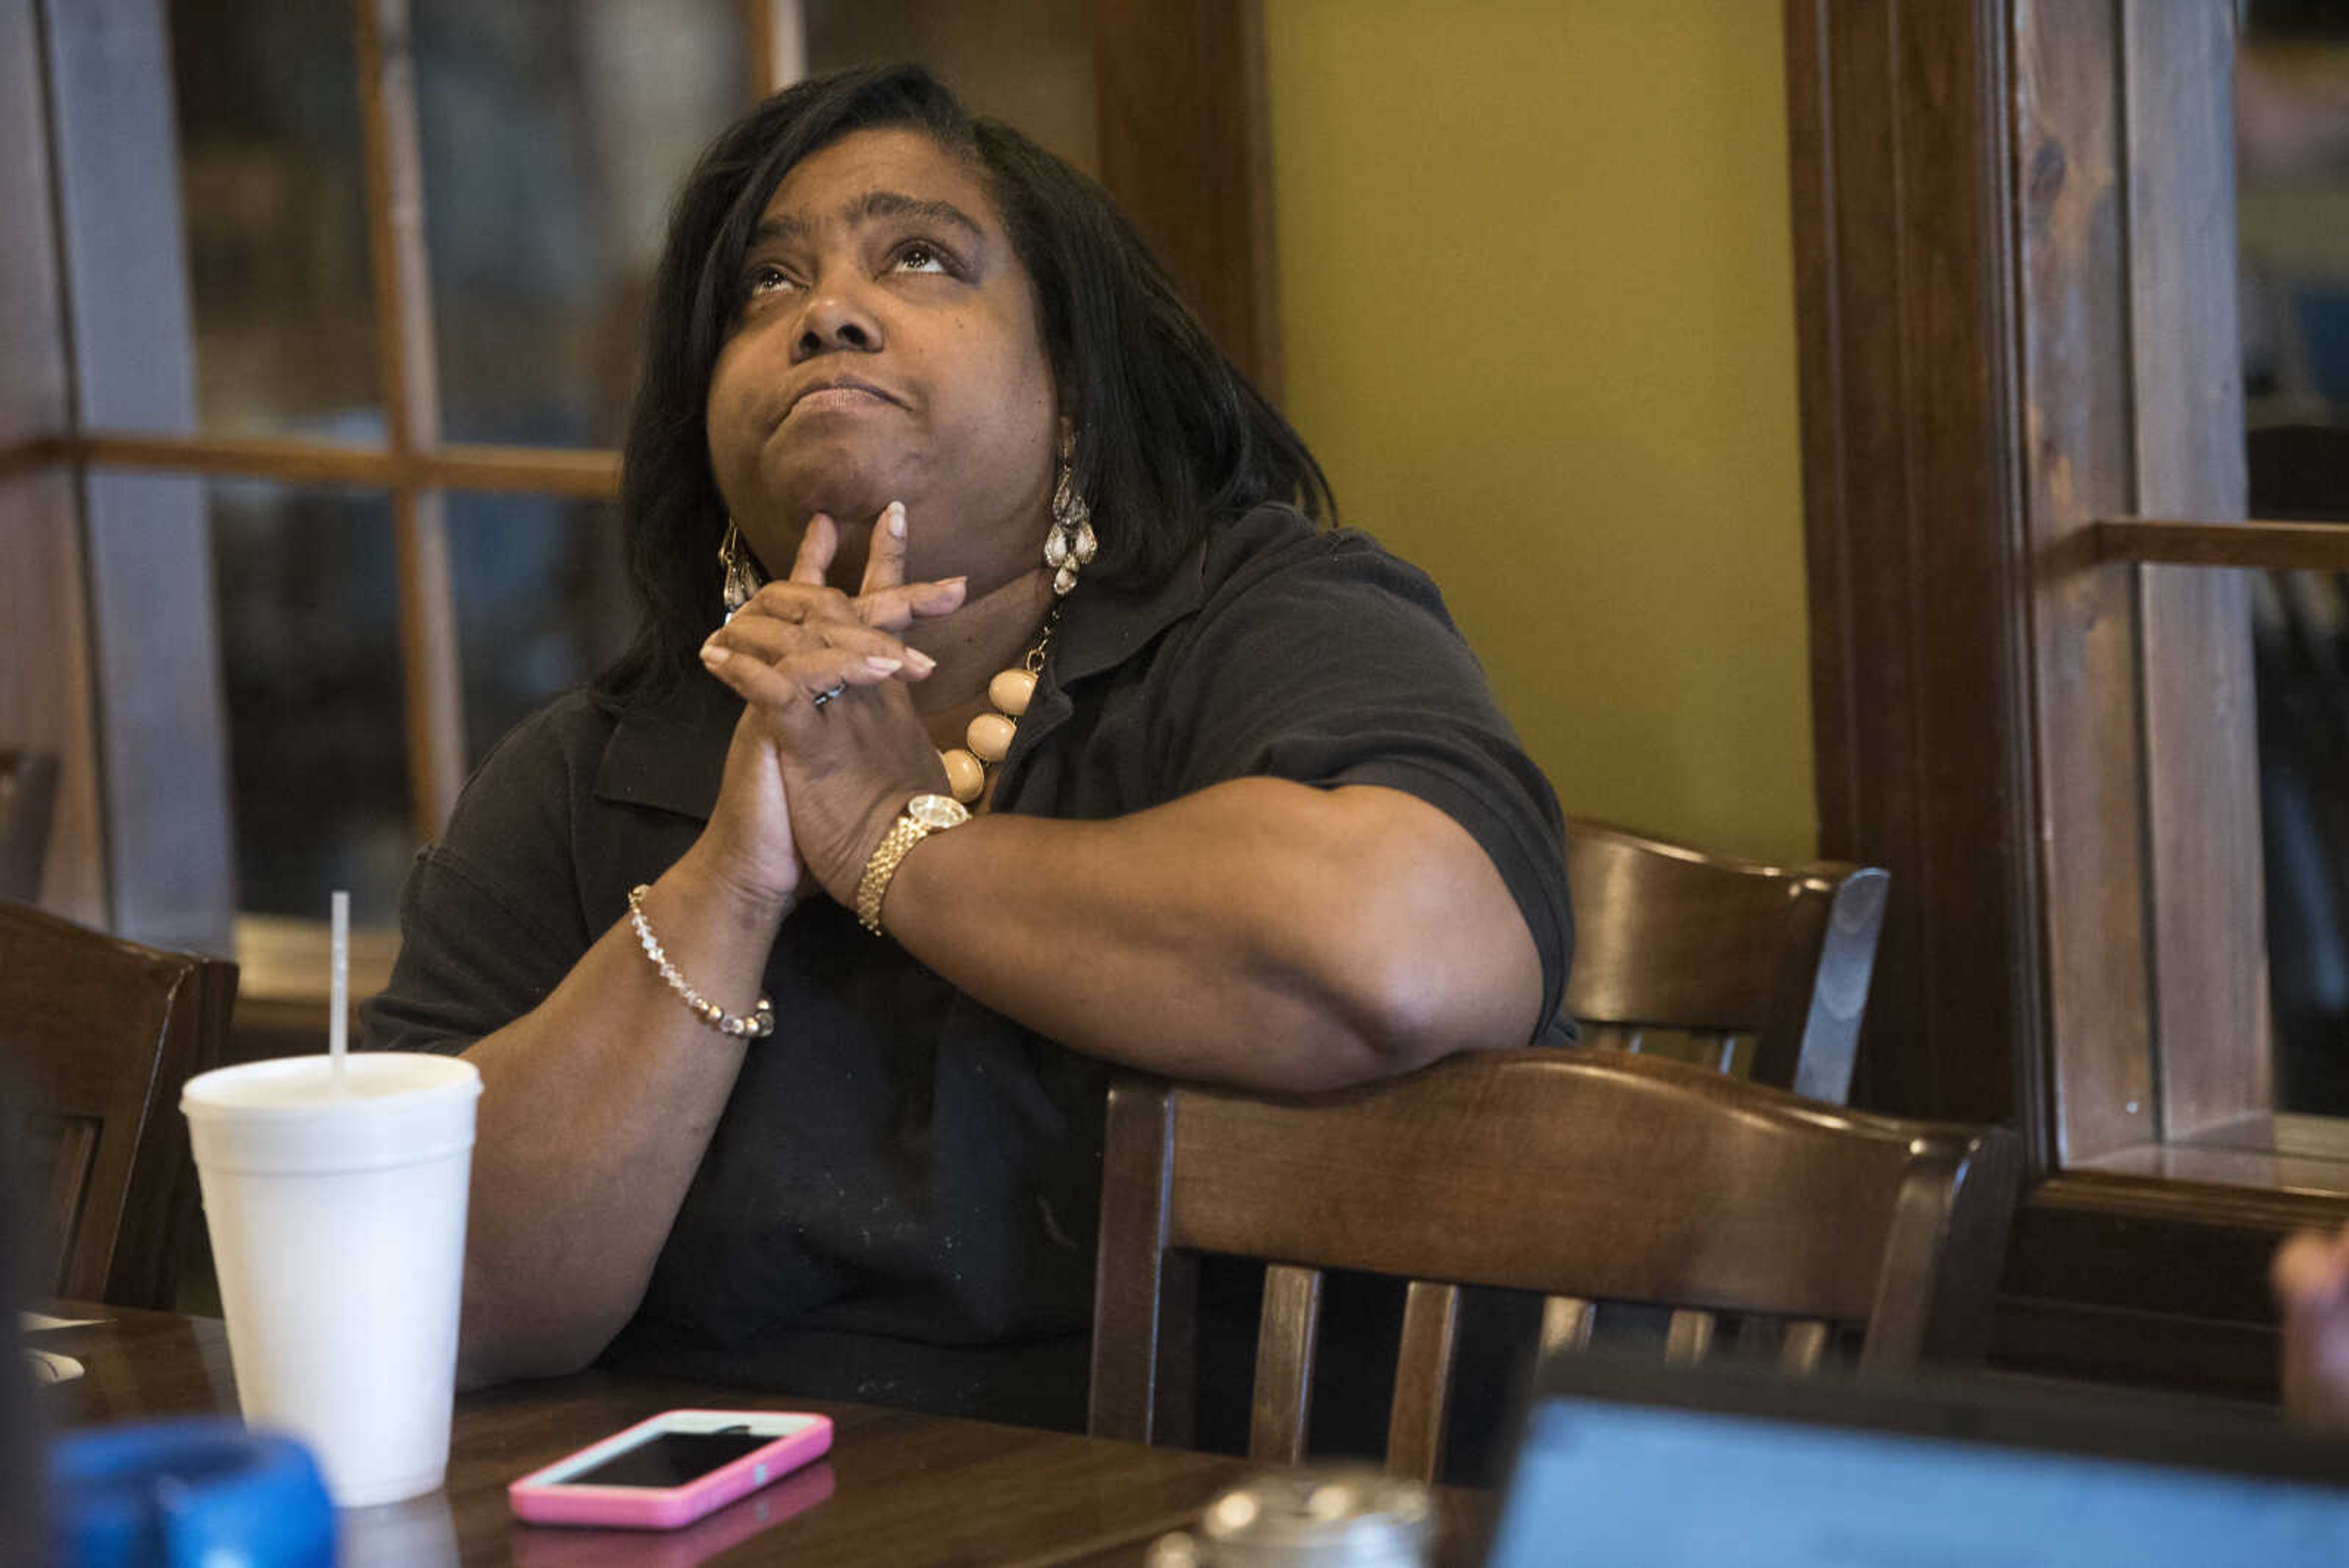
point(899, 1488)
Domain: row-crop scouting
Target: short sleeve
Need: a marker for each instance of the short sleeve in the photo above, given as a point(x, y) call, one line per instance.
point(1326, 661)
point(489, 915)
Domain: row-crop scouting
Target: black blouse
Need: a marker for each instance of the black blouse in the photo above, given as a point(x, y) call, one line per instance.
point(899, 1201)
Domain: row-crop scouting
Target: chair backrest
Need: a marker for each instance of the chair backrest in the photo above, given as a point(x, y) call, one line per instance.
point(97, 1036)
point(1671, 939)
point(29, 792)
point(1582, 1175)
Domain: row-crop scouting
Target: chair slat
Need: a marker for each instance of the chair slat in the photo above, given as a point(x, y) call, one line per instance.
point(1143, 1398)
point(66, 1149)
point(1611, 1036)
point(1566, 1324)
point(1284, 1364)
point(1804, 1348)
point(1690, 1335)
point(1430, 1332)
point(1724, 1046)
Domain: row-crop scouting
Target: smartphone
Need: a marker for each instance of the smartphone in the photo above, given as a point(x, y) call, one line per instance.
point(671, 1469)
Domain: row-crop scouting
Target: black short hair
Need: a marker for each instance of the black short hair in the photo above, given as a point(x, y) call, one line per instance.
point(1172, 440)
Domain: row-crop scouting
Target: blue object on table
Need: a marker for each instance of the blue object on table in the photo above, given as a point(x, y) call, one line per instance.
point(183, 1494)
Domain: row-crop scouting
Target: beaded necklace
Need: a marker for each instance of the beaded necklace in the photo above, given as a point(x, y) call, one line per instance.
point(988, 738)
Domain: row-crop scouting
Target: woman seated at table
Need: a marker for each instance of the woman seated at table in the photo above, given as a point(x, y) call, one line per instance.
point(795, 1067)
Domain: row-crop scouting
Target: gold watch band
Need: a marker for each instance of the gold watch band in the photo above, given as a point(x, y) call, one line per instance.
point(902, 835)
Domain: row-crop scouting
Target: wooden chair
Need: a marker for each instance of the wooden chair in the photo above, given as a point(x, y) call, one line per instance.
point(29, 792)
point(1592, 1175)
point(1668, 937)
point(97, 1036)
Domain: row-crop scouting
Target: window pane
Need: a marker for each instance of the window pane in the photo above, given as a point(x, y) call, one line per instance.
point(309, 640)
point(2292, 225)
point(1027, 61)
point(554, 133)
point(541, 603)
point(272, 191)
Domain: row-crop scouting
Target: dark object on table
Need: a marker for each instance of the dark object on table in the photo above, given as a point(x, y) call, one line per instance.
point(24, 1524)
point(1671, 937)
point(28, 794)
point(191, 1491)
point(1347, 1517)
point(101, 1034)
point(1608, 1177)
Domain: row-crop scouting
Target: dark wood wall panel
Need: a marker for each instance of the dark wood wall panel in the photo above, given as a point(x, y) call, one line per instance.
point(1910, 477)
point(1186, 149)
point(2162, 1283)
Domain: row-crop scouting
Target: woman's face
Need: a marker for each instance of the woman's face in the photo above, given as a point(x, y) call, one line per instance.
point(886, 348)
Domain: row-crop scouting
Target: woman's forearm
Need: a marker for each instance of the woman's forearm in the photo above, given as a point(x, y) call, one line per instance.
point(596, 1107)
point(1258, 932)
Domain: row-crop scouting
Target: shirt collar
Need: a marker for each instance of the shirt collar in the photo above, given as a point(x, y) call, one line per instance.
point(672, 756)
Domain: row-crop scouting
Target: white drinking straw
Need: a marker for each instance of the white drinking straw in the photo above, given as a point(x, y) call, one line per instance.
point(338, 1020)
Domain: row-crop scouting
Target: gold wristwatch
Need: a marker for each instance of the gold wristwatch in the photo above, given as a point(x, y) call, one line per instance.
point(924, 814)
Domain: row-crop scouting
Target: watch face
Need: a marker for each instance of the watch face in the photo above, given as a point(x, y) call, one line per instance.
point(937, 810)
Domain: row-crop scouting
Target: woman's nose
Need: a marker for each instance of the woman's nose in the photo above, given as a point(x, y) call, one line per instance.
point(833, 319)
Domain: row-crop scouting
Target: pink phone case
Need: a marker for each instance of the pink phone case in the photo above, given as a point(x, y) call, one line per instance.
point(544, 1501)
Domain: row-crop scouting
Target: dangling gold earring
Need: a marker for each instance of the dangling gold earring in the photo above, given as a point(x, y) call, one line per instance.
point(1071, 543)
point(742, 579)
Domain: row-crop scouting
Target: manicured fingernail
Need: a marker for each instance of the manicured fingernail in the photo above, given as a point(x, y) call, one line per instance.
point(921, 662)
point(880, 666)
point(897, 519)
point(954, 582)
point(714, 656)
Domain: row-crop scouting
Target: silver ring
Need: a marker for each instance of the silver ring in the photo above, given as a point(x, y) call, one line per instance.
point(821, 698)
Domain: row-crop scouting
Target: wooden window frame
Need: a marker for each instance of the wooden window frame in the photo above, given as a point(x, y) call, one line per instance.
point(1184, 138)
point(2021, 426)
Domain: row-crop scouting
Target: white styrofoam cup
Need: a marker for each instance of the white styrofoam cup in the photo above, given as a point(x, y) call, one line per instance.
point(336, 1207)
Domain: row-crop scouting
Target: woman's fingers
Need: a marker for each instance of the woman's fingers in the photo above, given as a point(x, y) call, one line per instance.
point(817, 545)
point(804, 681)
point(898, 607)
point(771, 640)
point(885, 599)
point(885, 559)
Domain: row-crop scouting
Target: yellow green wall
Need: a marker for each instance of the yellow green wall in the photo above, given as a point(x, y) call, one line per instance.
point(1538, 299)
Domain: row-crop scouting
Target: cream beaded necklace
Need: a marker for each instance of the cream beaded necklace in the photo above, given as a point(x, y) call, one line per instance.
point(989, 737)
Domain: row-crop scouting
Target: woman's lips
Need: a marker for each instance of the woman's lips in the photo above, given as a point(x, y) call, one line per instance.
point(820, 399)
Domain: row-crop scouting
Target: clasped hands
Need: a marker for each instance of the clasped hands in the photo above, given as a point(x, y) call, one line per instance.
point(830, 747)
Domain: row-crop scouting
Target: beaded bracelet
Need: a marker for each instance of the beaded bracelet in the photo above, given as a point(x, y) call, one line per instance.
point(756, 1024)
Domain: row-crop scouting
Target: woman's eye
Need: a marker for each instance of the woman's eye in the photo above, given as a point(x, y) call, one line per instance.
point(768, 279)
point(921, 257)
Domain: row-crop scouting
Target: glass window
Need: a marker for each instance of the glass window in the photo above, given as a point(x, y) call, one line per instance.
point(273, 191)
point(2291, 134)
point(554, 134)
point(542, 604)
point(308, 593)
